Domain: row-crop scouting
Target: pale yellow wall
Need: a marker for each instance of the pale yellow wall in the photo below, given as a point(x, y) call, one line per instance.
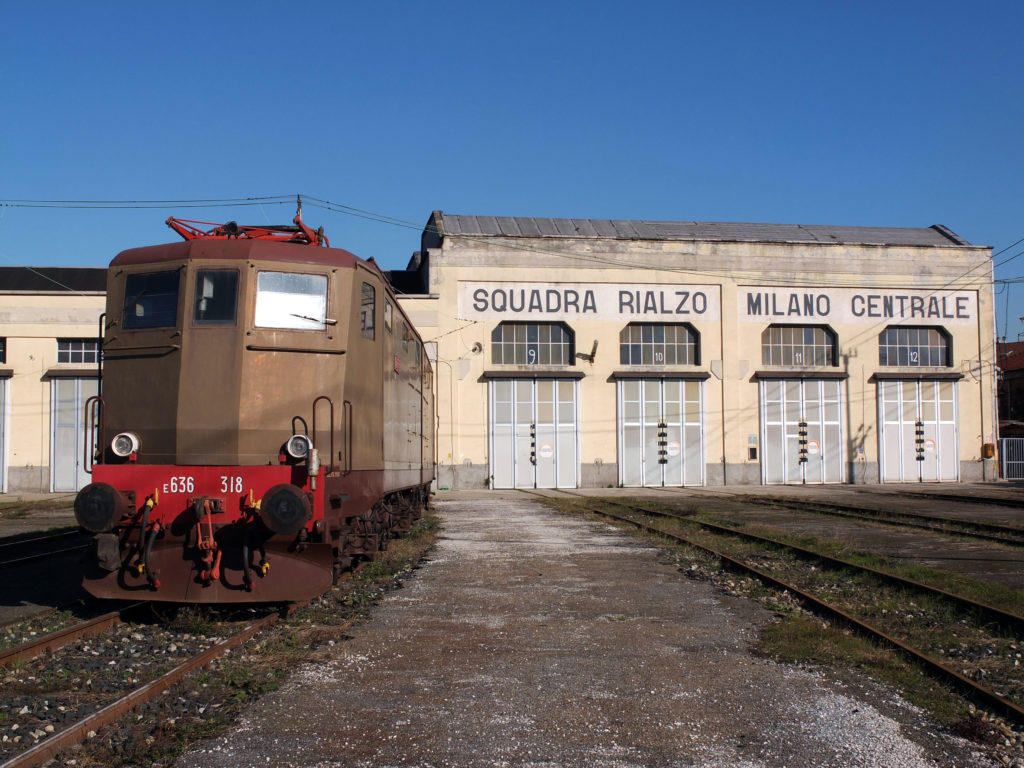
point(730, 346)
point(31, 324)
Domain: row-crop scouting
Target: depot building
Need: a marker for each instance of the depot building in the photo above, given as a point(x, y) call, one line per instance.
point(594, 353)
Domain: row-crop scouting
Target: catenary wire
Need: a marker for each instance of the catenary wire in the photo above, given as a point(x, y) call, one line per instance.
point(972, 283)
point(853, 280)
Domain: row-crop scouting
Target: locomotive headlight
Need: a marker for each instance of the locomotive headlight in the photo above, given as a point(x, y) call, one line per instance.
point(125, 444)
point(298, 446)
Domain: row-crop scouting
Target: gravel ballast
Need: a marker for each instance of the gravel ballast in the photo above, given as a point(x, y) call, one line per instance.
point(532, 639)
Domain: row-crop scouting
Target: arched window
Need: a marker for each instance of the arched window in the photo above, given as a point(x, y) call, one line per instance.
point(532, 344)
point(654, 344)
point(798, 345)
point(914, 346)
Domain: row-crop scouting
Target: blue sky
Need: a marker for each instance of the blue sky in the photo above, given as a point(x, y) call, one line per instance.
point(868, 113)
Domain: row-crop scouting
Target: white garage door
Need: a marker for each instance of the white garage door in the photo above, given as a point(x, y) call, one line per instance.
point(661, 432)
point(918, 440)
point(534, 439)
point(802, 439)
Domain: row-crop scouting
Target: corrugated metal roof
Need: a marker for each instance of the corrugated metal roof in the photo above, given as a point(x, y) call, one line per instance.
point(515, 226)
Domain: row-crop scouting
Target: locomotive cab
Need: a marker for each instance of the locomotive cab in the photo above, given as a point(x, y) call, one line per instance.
point(239, 451)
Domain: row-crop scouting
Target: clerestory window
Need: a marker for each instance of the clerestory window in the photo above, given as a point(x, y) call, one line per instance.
point(810, 345)
point(654, 344)
point(532, 344)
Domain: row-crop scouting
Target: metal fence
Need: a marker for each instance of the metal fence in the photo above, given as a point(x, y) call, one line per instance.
point(1011, 449)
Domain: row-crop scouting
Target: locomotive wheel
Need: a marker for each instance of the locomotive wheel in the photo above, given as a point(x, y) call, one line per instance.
point(366, 536)
point(381, 524)
point(342, 563)
point(383, 529)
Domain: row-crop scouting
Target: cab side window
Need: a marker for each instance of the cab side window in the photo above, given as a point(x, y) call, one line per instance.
point(216, 297)
point(367, 310)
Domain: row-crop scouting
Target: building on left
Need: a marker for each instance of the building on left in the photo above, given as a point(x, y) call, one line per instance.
point(49, 354)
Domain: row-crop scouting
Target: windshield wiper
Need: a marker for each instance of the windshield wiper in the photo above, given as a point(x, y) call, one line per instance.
point(322, 321)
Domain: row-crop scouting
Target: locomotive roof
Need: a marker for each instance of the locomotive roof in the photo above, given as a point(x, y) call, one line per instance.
point(242, 249)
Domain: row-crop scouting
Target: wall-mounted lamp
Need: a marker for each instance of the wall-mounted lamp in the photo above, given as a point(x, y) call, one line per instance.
point(589, 358)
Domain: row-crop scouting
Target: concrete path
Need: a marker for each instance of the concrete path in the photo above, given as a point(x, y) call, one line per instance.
point(532, 639)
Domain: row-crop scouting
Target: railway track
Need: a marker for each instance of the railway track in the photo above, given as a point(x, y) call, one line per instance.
point(975, 529)
point(1012, 498)
point(47, 748)
point(56, 640)
point(988, 696)
point(47, 745)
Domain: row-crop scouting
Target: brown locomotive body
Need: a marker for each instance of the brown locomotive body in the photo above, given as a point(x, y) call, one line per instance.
point(266, 419)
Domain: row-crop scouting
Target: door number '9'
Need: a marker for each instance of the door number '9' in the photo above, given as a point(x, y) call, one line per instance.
point(230, 484)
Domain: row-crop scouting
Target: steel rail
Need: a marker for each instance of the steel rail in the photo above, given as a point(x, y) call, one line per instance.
point(62, 637)
point(76, 733)
point(989, 697)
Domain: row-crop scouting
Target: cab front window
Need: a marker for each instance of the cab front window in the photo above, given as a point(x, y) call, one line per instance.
point(292, 301)
point(150, 300)
point(216, 297)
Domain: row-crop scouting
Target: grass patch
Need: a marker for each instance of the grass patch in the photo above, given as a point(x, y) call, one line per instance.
point(184, 734)
point(245, 681)
point(192, 620)
point(803, 639)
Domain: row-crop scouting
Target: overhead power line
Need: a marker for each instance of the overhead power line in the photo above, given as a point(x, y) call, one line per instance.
point(840, 278)
point(117, 204)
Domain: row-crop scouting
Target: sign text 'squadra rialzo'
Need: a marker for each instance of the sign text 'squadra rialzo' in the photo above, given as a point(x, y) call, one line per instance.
point(589, 301)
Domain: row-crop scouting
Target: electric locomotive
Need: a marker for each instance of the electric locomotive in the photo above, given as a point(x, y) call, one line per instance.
point(265, 418)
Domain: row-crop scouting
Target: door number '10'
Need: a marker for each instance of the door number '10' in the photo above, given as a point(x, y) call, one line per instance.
point(230, 484)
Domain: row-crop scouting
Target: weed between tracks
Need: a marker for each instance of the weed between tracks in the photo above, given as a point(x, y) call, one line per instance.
point(210, 701)
point(982, 652)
